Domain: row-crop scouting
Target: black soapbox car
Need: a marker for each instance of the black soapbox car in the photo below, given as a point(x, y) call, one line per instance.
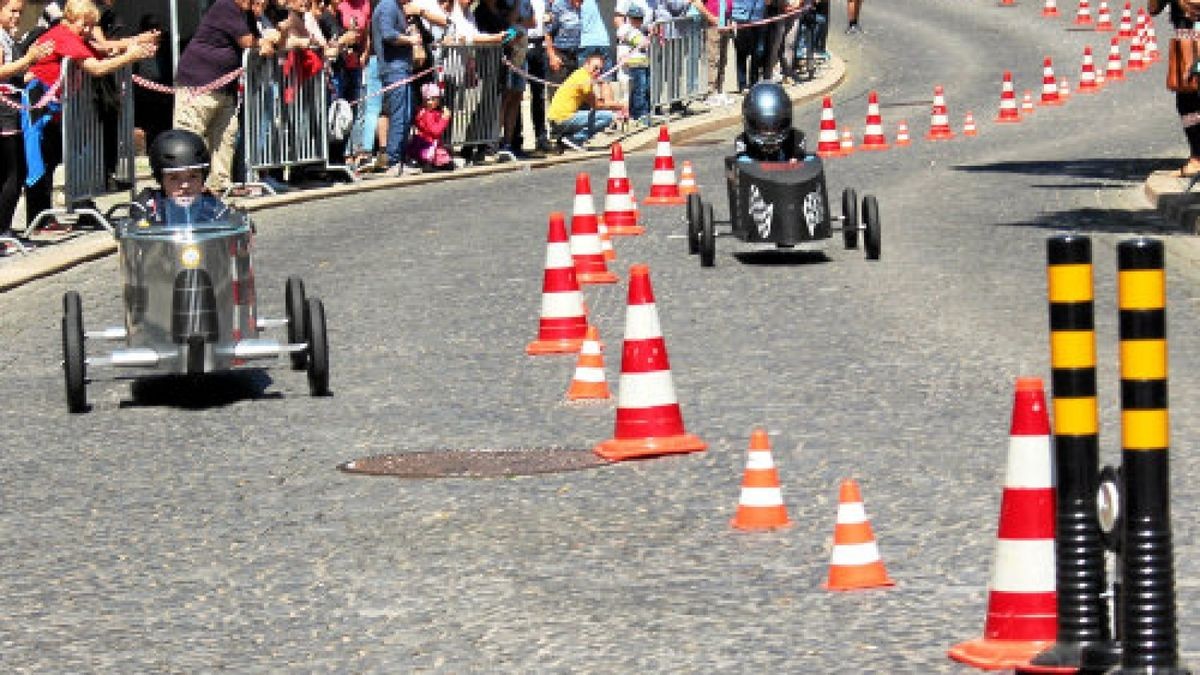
point(782, 204)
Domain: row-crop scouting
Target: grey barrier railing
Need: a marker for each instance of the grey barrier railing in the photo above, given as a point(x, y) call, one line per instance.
point(678, 67)
point(473, 76)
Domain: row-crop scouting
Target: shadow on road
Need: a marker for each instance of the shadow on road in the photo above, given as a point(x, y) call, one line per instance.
point(1109, 221)
point(781, 257)
point(1111, 168)
point(213, 390)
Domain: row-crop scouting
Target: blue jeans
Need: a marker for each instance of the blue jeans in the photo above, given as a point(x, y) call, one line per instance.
point(819, 35)
point(639, 93)
point(398, 105)
point(749, 49)
point(577, 128)
point(366, 117)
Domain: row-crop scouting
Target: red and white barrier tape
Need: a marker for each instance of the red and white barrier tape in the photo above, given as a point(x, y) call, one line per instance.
point(762, 22)
point(394, 85)
point(48, 97)
point(190, 91)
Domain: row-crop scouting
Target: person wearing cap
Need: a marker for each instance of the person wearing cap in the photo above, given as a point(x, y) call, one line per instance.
point(632, 43)
point(426, 146)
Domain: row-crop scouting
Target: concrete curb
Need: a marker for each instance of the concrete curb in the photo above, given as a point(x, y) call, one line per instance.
point(1165, 192)
point(91, 246)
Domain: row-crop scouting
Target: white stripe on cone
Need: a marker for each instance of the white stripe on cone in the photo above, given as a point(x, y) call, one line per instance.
point(585, 244)
point(620, 201)
point(760, 460)
point(558, 256)
point(646, 390)
point(855, 554)
point(584, 205)
point(761, 496)
point(589, 374)
point(1024, 566)
point(641, 322)
point(851, 513)
point(1029, 462)
point(562, 305)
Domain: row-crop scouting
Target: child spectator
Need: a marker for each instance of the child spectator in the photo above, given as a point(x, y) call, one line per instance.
point(632, 38)
point(426, 145)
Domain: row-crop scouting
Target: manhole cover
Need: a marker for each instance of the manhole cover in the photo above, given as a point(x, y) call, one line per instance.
point(475, 463)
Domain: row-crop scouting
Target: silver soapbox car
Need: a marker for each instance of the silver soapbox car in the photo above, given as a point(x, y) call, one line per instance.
point(780, 204)
point(190, 308)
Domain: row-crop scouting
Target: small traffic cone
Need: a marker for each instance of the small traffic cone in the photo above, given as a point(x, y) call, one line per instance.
point(1064, 89)
point(1049, 84)
point(1008, 3)
point(855, 563)
point(1136, 61)
point(563, 324)
point(1027, 103)
point(1152, 53)
point(590, 267)
point(606, 247)
point(1103, 19)
point(760, 506)
point(687, 180)
point(619, 214)
point(649, 421)
point(1125, 28)
point(1050, 9)
point(589, 381)
point(873, 138)
point(827, 139)
point(1022, 615)
point(902, 138)
point(847, 144)
point(663, 188)
point(969, 125)
point(1083, 16)
point(939, 126)
point(1087, 77)
point(1008, 101)
point(1114, 70)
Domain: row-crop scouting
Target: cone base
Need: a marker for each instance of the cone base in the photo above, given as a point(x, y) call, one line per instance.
point(944, 135)
point(855, 578)
point(1007, 120)
point(663, 200)
point(998, 654)
point(597, 277)
point(564, 346)
point(609, 255)
point(1049, 14)
point(621, 449)
point(1110, 77)
point(626, 230)
point(760, 518)
point(588, 390)
point(1083, 22)
point(902, 144)
point(874, 146)
point(684, 192)
point(1052, 102)
point(1088, 90)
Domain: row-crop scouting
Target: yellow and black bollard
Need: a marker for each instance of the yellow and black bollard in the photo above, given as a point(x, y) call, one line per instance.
point(1147, 622)
point(1084, 635)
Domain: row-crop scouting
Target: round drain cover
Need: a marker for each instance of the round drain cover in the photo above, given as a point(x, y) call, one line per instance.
point(475, 463)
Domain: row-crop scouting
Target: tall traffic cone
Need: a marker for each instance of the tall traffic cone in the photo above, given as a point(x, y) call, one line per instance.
point(1136, 61)
point(1050, 8)
point(1114, 70)
point(760, 506)
point(827, 139)
point(1022, 615)
point(663, 188)
point(687, 180)
point(1008, 101)
point(1087, 77)
point(563, 324)
point(1125, 28)
point(855, 563)
point(606, 247)
point(873, 138)
point(649, 420)
point(847, 144)
point(589, 382)
point(969, 125)
point(939, 125)
point(1049, 84)
point(1103, 18)
point(590, 267)
point(1083, 16)
point(902, 138)
point(619, 214)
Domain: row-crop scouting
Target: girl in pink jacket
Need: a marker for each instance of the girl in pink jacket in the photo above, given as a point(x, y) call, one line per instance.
point(426, 145)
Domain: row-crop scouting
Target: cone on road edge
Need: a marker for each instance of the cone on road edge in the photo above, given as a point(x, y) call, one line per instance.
point(873, 138)
point(1050, 9)
point(664, 190)
point(969, 128)
point(687, 180)
point(1083, 16)
point(1114, 69)
point(855, 563)
point(902, 138)
point(760, 506)
point(620, 214)
point(586, 249)
point(847, 143)
point(827, 139)
point(939, 124)
point(1049, 84)
point(649, 421)
point(563, 323)
point(1027, 103)
point(1008, 101)
point(1103, 19)
point(1087, 75)
point(589, 381)
point(1022, 601)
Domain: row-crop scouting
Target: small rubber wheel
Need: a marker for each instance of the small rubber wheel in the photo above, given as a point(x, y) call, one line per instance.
point(871, 235)
point(850, 218)
point(694, 206)
point(74, 363)
point(708, 238)
point(318, 349)
point(297, 329)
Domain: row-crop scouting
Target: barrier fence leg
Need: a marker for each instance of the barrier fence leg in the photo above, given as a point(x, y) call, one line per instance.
point(1150, 642)
point(1084, 635)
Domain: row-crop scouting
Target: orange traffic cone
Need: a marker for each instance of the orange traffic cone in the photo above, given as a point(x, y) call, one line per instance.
point(1027, 103)
point(588, 381)
point(687, 180)
point(1022, 615)
point(856, 562)
point(606, 247)
point(1114, 70)
point(590, 267)
point(1136, 51)
point(1008, 101)
point(827, 139)
point(873, 138)
point(760, 506)
point(1050, 9)
point(847, 144)
point(1152, 53)
point(939, 125)
point(649, 420)
point(902, 138)
point(1125, 28)
point(1064, 89)
point(1087, 76)
point(563, 323)
point(1049, 84)
point(663, 188)
point(1103, 19)
point(1083, 16)
point(969, 125)
point(619, 214)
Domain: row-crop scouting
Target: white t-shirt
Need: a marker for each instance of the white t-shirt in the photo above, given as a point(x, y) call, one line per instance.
point(461, 24)
point(432, 7)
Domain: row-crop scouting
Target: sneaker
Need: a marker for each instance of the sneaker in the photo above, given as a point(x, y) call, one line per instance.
point(568, 143)
point(544, 145)
point(854, 29)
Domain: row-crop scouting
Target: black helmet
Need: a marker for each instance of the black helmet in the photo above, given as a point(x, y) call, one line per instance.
point(178, 149)
point(767, 114)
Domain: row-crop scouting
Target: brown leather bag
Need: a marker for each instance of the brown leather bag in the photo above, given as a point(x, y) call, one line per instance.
point(1183, 53)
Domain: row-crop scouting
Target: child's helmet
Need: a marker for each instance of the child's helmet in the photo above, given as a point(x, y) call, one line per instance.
point(767, 115)
point(178, 149)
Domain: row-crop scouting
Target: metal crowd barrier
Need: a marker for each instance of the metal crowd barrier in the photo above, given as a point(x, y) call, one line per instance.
point(678, 67)
point(473, 76)
point(285, 122)
point(84, 175)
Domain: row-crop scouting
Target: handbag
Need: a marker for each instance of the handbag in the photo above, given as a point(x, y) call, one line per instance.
point(1181, 64)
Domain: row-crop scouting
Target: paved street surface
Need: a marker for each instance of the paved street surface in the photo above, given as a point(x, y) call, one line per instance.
point(210, 531)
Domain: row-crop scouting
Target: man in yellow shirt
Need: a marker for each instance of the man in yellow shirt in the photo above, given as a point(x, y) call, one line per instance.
point(575, 113)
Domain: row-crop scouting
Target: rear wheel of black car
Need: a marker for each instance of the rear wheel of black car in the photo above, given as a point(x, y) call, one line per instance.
point(318, 350)
point(694, 206)
point(74, 361)
point(850, 218)
point(297, 331)
point(708, 238)
point(872, 235)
